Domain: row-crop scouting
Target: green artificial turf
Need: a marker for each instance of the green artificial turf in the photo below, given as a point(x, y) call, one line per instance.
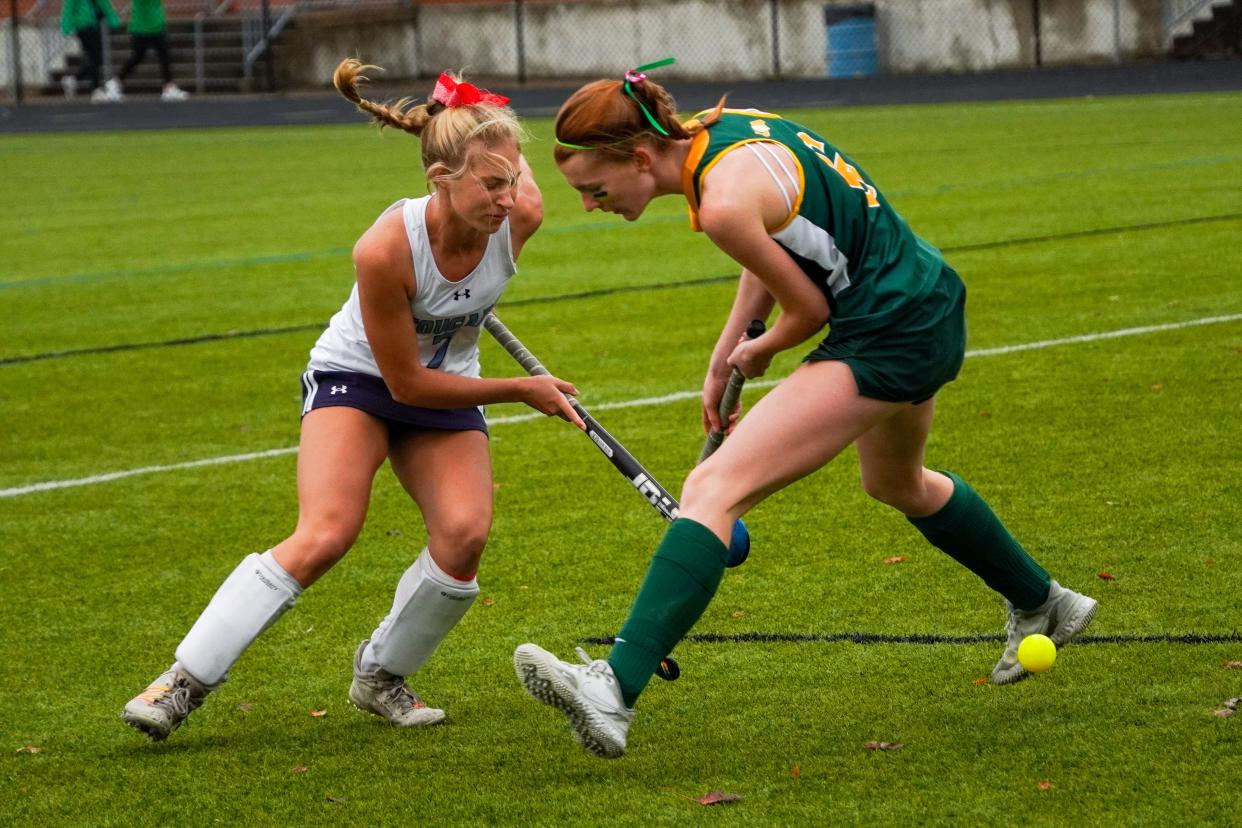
point(1098, 412)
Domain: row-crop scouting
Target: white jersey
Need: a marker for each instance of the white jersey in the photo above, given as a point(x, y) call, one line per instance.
point(447, 315)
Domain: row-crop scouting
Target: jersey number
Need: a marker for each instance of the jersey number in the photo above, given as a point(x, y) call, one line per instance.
point(443, 340)
point(847, 171)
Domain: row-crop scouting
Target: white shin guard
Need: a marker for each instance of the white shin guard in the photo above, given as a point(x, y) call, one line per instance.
point(428, 604)
point(249, 601)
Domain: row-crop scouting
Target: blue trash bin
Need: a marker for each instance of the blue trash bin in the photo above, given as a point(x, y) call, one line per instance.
point(851, 40)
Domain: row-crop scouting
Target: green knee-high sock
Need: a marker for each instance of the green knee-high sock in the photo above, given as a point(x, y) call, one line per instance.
point(968, 530)
point(681, 580)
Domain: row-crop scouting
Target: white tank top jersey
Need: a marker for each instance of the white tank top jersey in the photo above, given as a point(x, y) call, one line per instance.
point(447, 315)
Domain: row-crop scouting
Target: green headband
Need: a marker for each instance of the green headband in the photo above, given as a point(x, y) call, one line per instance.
point(632, 76)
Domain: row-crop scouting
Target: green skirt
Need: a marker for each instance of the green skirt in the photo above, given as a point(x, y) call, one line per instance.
point(910, 359)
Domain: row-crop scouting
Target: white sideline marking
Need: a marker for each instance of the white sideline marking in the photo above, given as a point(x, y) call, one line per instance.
point(644, 401)
point(104, 478)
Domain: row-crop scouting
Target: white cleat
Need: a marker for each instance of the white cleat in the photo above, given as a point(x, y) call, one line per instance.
point(1064, 615)
point(69, 83)
point(172, 92)
point(587, 693)
point(165, 704)
point(387, 696)
point(113, 91)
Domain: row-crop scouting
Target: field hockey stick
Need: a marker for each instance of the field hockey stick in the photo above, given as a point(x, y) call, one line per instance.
point(728, 401)
point(620, 457)
point(617, 454)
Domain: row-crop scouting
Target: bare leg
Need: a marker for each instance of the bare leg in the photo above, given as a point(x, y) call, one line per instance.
point(448, 474)
point(339, 453)
point(890, 456)
point(807, 420)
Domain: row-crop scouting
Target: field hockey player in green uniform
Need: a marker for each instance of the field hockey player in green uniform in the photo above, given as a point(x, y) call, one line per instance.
point(816, 239)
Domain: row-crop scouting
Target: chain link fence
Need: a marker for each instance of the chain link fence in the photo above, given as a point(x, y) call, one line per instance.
point(255, 45)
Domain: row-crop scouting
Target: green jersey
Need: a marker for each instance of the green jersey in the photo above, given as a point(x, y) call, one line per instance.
point(840, 230)
point(146, 17)
point(76, 15)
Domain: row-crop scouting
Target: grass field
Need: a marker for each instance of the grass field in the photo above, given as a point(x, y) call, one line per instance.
point(160, 294)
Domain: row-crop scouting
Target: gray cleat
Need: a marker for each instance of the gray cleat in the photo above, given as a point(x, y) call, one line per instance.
point(387, 696)
point(165, 704)
point(1064, 615)
point(588, 694)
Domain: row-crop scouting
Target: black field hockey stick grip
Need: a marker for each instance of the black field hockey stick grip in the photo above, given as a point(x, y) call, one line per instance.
point(617, 454)
point(728, 400)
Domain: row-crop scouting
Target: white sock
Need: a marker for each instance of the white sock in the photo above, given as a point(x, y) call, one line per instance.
point(429, 602)
point(254, 595)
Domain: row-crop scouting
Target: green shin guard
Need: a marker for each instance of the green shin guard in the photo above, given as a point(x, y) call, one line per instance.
point(969, 531)
point(681, 580)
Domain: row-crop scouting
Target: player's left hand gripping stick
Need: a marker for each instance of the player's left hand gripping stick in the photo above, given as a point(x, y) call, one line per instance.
point(739, 543)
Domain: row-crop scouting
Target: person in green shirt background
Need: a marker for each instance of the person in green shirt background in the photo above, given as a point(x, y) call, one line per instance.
point(146, 31)
point(82, 18)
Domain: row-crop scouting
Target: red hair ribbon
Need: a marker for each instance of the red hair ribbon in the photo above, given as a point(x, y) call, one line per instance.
point(454, 93)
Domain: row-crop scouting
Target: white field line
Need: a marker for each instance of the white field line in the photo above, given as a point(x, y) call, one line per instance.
point(636, 403)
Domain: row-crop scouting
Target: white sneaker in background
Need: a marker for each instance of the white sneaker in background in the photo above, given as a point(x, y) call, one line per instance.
point(113, 90)
point(172, 92)
point(69, 83)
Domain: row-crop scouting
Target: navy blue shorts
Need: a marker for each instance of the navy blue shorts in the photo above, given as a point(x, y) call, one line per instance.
point(324, 389)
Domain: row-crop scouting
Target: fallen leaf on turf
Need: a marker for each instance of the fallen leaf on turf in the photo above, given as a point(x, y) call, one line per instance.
point(895, 559)
point(979, 682)
point(1044, 785)
point(319, 714)
point(29, 749)
point(796, 772)
point(1233, 665)
point(246, 707)
point(332, 798)
point(1210, 562)
point(883, 745)
point(718, 798)
point(24, 789)
point(738, 614)
point(985, 413)
point(299, 769)
point(1106, 576)
point(394, 533)
point(1157, 387)
point(1224, 714)
point(487, 602)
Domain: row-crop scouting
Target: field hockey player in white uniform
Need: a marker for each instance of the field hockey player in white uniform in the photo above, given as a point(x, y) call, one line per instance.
point(396, 376)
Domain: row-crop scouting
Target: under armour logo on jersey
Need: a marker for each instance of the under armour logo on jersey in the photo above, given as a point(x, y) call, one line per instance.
point(339, 389)
point(461, 294)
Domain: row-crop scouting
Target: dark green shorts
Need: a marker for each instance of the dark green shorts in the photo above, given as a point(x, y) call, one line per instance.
point(910, 359)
